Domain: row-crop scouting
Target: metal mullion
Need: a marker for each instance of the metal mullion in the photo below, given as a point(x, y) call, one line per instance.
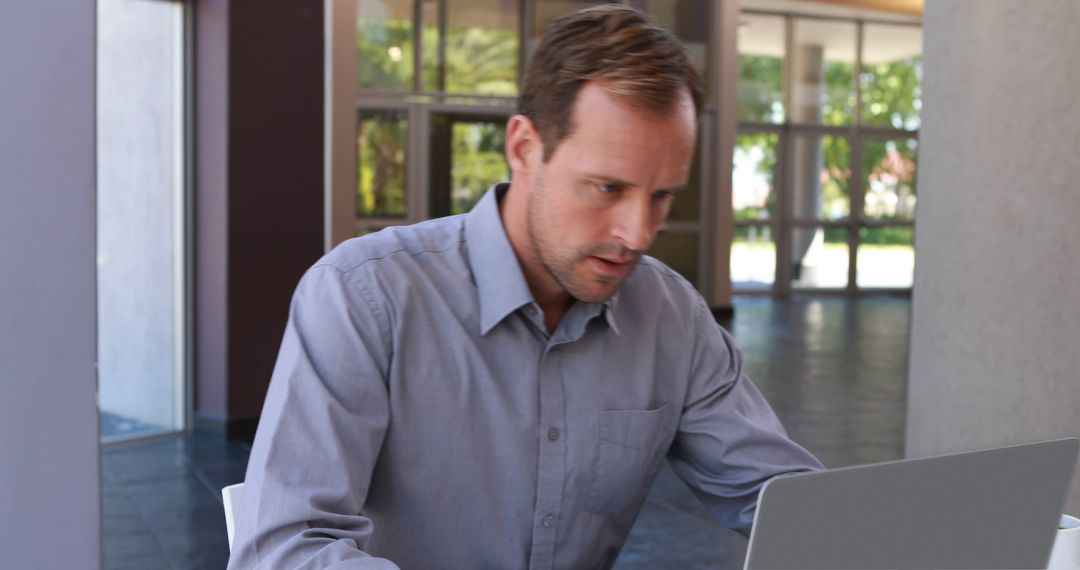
point(782, 180)
point(188, 273)
point(823, 292)
point(759, 12)
point(380, 105)
point(418, 46)
point(440, 84)
point(856, 184)
point(887, 132)
point(753, 128)
point(453, 109)
point(808, 223)
point(876, 224)
point(782, 185)
point(681, 227)
point(754, 223)
point(705, 226)
point(419, 133)
point(820, 130)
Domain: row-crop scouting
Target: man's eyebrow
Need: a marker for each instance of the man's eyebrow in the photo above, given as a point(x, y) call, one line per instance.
point(622, 183)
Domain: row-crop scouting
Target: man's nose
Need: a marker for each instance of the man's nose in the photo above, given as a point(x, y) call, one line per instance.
point(635, 225)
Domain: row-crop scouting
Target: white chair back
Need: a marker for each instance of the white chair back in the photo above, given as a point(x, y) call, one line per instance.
point(230, 497)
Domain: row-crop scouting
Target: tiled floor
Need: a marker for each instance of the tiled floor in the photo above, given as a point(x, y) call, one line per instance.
point(834, 369)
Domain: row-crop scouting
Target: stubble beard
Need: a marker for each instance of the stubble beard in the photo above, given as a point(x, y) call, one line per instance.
point(561, 267)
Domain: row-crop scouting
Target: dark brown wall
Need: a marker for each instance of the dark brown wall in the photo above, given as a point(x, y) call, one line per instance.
point(259, 121)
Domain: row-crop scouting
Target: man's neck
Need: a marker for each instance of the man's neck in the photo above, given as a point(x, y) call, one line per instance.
point(549, 295)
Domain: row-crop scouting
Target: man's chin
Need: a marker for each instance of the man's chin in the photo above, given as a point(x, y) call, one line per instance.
point(598, 293)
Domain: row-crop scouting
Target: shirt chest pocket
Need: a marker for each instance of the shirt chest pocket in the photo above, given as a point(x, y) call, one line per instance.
point(631, 446)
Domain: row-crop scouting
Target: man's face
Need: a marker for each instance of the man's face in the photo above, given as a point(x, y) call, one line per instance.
point(595, 207)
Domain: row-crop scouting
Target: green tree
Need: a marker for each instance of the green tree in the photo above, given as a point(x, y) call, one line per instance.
point(761, 91)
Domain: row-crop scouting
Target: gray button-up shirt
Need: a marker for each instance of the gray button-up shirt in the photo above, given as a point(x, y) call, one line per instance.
point(420, 414)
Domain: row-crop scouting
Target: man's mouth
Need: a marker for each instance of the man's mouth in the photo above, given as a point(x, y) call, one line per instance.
point(612, 266)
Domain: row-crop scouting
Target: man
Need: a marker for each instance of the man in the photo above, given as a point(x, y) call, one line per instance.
point(498, 389)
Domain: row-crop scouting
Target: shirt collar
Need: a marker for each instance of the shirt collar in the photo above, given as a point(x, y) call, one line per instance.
point(500, 282)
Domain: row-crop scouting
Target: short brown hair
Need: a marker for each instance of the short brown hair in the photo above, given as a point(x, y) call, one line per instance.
point(636, 59)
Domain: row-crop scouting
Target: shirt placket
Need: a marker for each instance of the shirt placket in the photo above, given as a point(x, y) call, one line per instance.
point(552, 459)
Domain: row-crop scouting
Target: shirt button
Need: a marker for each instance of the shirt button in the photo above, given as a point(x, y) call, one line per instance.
point(553, 434)
point(549, 520)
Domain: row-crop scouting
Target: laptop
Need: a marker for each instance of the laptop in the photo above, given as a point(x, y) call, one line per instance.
point(997, 508)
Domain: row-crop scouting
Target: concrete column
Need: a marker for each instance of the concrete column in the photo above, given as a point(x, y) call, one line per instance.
point(996, 320)
point(50, 506)
point(808, 95)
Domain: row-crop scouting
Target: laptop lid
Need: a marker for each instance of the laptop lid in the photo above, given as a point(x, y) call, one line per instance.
point(996, 508)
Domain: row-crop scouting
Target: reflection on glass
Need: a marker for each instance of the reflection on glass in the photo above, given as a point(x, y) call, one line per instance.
point(381, 138)
point(886, 257)
point(688, 20)
point(823, 264)
point(821, 171)
point(761, 68)
point(477, 162)
point(753, 258)
point(384, 44)
point(481, 47)
point(889, 170)
point(891, 76)
point(823, 70)
point(752, 191)
point(679, 251)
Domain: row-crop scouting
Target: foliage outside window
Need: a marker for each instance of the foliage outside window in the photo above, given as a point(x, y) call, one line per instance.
point(381, 161)
point(478, 162)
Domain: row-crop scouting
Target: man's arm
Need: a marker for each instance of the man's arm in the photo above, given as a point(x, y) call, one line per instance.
point(729, 441)
point(320, 433)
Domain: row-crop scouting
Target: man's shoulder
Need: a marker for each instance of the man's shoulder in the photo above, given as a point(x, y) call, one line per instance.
point(656, 288)
point(397, 246)
point(658, 276)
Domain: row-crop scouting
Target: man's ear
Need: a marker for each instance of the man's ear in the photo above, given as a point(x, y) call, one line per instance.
point(524, 149)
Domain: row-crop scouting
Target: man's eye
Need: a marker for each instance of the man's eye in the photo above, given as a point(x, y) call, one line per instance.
point(607, 188)
point(664, 195)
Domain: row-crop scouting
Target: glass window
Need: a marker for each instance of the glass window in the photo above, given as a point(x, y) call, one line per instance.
point(544, 11)
point(886, 257)
point(752, 181)
point(481, 47)
point(823, 72)
point(679, 251)
point(381, 142)
point(820, 175)
point(891, 76)
point(889, 179)
point(688, 20)
point(753, 258)
point(819, 258)
point(466, 159)
point(761, 68)
point(384, 44)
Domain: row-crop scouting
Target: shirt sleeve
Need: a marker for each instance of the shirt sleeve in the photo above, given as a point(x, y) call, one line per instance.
point(729, 440)
point(322, 426)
